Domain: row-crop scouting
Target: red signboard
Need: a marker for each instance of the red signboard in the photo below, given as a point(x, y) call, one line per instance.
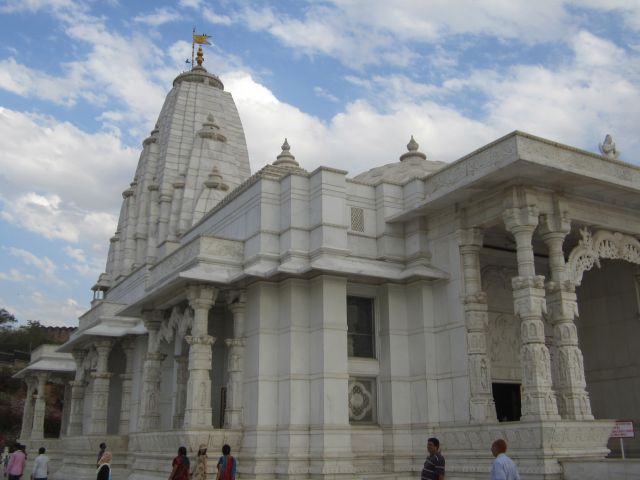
point(622, 429)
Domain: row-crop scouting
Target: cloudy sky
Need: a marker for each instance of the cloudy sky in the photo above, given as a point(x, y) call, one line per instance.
point(347, 81)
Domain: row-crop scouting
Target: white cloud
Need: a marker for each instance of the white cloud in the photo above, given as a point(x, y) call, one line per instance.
point(190, 3)
point(76, 253)
point(44, 264)
point(15, 275)
point(159, 17)
point(353, 138)
point(87, 171)
point(209, 15)
point(12, 6)
point(577, 103)
point(379, 32)
point(322, 93)
point(27, 82)
point(49, 217)
point(51, 311)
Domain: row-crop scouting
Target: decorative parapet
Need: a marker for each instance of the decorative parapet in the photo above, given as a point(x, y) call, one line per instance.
point(602, 244)
point(220, 259)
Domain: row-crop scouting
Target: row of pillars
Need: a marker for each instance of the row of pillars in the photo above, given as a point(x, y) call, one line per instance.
point(192, 408)
point(545, 395)
point(34, 407)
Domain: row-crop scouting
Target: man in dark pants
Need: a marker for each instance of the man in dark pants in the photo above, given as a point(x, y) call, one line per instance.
point(433, 468)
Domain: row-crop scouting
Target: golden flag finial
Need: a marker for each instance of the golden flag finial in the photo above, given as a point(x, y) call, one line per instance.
point(200, 39)
point(200, 56)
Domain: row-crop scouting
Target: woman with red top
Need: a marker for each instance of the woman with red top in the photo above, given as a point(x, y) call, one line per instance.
point(180, 466)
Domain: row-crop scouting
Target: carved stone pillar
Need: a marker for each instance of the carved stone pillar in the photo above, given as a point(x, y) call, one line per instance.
point(182, 376)
point(100, 395)
point(27, 412)
point(151, 374)
point(235, 345)
point(573, 399)
point(40, 406)
point(538, 402)
point(125, 403)
point(197, 413)
point(76, 411)
point(482, 407)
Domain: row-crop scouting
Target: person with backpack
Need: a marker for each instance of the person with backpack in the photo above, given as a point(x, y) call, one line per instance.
point(227, 465)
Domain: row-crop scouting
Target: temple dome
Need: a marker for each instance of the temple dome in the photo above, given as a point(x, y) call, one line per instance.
point(412, 164)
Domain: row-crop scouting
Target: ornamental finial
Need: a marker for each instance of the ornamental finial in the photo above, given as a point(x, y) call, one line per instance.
point(200, 57)
point(608, 147)
point(286, 158)
point(412, 151)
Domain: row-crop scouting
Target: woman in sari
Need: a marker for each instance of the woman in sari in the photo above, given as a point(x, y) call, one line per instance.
point(227, 465)
point(180, 466)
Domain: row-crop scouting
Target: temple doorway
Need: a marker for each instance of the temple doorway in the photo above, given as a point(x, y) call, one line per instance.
point(507, 399)
point(608, 333)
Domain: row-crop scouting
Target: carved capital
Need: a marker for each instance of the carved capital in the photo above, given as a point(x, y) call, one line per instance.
point(104, 346)
point(236, 297)
point(555, 224)
point(479, 298)
point(152, 319)
point(521, 218)
point(566, 286)
point(536, 281)
point(79, 356)
point(477, 321)
point(234, 342)
point(155, 356)
point(201, 296)
point(470, 237)
point(201, 340)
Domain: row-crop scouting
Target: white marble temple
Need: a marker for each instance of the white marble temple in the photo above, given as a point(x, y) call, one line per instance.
point(324, 325)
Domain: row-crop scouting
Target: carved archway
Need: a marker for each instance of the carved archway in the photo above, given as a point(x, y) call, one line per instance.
point(602, 244)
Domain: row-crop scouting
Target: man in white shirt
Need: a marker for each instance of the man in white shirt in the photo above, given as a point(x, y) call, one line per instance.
point(40, 466)
point(503, 467)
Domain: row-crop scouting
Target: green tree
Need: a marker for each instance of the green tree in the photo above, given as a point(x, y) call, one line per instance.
point(6, 318)
point(24, 338)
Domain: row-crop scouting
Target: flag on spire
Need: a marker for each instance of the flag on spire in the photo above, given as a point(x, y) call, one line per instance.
point(201, 39)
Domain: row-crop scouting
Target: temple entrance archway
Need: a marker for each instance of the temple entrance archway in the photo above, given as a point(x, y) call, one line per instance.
point(608, 332)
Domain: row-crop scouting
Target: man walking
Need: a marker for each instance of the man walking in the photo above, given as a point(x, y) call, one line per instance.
point(40, 466)
point(433, 468)
point(15, 467)
point(503, 467)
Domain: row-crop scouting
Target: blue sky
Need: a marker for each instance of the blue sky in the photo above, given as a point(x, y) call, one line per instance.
point(347, 81)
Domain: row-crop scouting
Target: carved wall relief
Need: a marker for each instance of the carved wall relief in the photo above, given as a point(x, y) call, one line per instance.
point(504, 347)
point(504, 328)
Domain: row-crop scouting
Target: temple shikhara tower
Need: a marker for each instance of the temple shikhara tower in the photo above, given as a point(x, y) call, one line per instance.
point(325, 325)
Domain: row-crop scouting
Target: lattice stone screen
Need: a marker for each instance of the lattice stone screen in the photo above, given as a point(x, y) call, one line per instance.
point(357, 219)
point(362, 400)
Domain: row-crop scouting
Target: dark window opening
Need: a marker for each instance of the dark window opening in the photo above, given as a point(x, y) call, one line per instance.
point(507, 399)
point(360, 327)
